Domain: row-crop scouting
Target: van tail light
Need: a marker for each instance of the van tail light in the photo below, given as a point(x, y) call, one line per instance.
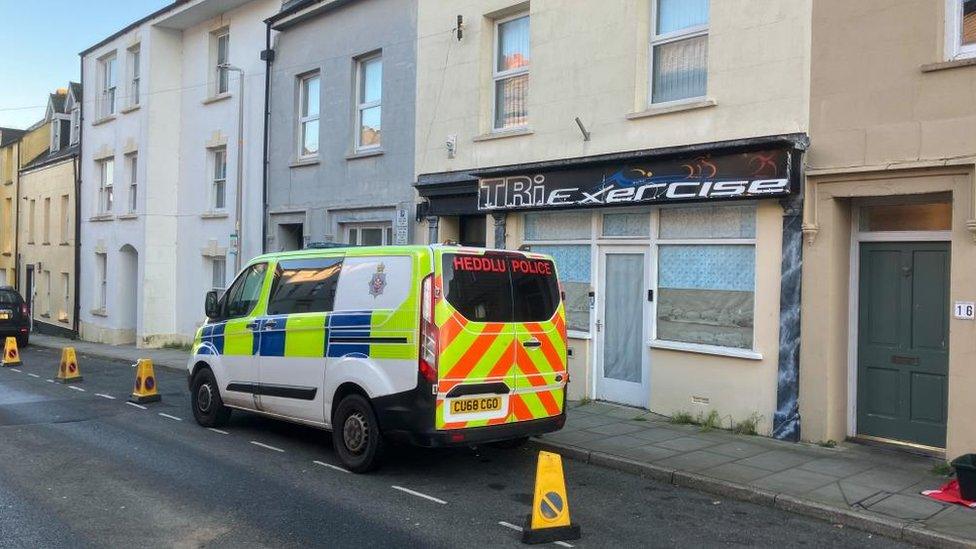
point(427, 363)
point(562, 292)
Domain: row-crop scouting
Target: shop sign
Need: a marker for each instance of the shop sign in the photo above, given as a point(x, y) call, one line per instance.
point(763, 174)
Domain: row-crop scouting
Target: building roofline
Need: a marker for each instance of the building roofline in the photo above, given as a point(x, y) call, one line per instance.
point(312, 7)
point(161, 11)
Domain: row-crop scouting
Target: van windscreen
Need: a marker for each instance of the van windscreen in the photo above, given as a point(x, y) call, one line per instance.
point(500, 287)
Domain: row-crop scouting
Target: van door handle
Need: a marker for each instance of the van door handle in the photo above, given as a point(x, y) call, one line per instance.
point(532, 343)
point(253, 325)
point(270, 325)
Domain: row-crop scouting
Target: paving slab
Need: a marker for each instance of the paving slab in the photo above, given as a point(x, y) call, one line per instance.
point(884, 478)
point(795, 481)
point(838, 467)
point(738, 449)
point(611, 429)
point(685, 444)
point(698, 460)
point(736, 472)
point(575, 438)
point(648, 452)
point(657, 434)
point(841, 494)
point(777, 460)
point(904, 507)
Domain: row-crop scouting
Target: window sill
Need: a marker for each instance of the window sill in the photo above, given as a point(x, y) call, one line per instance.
point(216, 98)
point(301, 163)
point(127, 216)
point(130, 108)
point(503, 134)
point(365, 153)
point(45, 243)
point(63, 320)
point(99, 312)
point(10, 182)
point(44, 315)
point(7, 254)
point(104, 120)
point(672, 107)
point(953, 64)
point(705, 349)
point(572, 334)
point(101, 217)
point(213, 215)
point(64, 244)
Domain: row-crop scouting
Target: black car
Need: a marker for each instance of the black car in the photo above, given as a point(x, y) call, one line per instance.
point(14, 316)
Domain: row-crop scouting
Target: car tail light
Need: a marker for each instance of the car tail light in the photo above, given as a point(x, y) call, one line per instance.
point(24, 310)
point(428, 332)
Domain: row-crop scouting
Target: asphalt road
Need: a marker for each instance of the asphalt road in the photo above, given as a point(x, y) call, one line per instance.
point(79, 467)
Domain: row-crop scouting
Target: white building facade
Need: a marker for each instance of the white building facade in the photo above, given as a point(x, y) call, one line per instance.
point(159, 167)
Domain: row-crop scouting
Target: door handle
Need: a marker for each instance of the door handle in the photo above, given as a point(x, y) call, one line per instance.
point(532, 343)
point(253, 325)
point(270, 325)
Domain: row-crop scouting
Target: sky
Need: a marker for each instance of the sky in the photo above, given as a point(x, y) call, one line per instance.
point(39, 45)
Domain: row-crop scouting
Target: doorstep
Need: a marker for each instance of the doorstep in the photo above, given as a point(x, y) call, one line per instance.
point(864, 487)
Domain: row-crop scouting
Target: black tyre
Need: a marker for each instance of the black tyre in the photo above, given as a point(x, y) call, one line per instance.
point(208, 408)
point(356, 434)
point(509, 444)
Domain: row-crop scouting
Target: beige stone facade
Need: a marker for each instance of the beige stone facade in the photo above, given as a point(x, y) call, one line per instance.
point(892, 121)
point(592, 60)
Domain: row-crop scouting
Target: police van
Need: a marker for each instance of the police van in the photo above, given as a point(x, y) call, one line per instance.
point(432, 345)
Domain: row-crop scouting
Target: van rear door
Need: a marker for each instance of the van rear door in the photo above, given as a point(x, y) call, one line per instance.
point(502, 332)
point(476, 359)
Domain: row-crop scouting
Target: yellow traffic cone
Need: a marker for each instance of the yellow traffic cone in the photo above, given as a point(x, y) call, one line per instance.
point(145, 389)
point(549, 520)
point(11, 356)
point(68, 370)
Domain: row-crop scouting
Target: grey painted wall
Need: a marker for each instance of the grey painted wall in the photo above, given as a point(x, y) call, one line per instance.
point(341, 187)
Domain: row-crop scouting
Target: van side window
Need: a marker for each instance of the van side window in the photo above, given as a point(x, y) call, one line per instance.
point(244, 293)
point(304, 286)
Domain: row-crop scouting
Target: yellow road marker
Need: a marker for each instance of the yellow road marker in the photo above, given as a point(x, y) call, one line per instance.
point(549, 520)
point(11, 355)
point(68, 370)
point(145, 388)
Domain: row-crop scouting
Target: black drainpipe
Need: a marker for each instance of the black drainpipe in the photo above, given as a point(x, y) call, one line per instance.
point(81, 136)
point(268, 56)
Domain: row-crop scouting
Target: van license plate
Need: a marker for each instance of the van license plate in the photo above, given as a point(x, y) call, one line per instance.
point(475, 405)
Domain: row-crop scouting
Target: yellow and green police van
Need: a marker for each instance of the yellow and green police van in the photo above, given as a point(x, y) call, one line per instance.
point(433, 345)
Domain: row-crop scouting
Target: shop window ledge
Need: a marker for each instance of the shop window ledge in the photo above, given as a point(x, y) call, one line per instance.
point(365, 153)
point(503, 134)
point(672, 107)
point(216, 98)
point(731, 352)
point(311, 161)
point(945, 65)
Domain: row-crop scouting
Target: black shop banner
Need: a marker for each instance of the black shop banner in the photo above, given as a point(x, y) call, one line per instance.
point(762, 174)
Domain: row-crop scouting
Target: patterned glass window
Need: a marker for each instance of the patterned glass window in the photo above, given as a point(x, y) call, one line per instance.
point(626, 224)
point(557, 226)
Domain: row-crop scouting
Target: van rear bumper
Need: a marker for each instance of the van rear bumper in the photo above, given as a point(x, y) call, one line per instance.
point(409, 417)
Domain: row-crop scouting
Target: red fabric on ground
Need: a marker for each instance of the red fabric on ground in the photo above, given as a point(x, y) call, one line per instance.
point(949, 493)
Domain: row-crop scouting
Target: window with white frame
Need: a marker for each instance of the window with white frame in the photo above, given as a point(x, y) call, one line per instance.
point(31, 220)
point(566, 236)
point(55, 144)
point(75, 124)
point(132, 172)
point(221, 56)
point(106, 180)
point(369, 98)
point(679, 50)
point(108, 75)
point(706, 275)
point(510, 72)
point(47, 220)
point(65, 218)
point(218, 273)
point(309, 94)
point(960, 29)
point(65, 297)
point(101, 277)
point(368, 234)
point(134, 73)
point(218, 184)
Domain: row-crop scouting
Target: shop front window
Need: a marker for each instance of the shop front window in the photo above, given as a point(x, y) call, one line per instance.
point(557, 235)
point(706, 276)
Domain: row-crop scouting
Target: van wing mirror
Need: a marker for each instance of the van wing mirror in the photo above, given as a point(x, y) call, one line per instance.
point(211, 304)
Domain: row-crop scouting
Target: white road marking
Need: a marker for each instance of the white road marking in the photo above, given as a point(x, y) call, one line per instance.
point(167, 416)
point(49, 380)
point(73, 388)
point(16, 370)
point(110, 397)
point(33, 375)
point(519, 529)
point(419, 495)
point(218, 431)
point(256, 443)
point(330, 466)
point(140, 406)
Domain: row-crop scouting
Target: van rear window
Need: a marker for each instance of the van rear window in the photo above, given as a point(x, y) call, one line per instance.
point(500, 287)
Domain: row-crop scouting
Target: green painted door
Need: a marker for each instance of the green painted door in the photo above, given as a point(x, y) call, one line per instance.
point(903, 341)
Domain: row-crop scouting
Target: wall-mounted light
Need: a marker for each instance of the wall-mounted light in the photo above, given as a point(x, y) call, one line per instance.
point(582, 128)
point(459, 29)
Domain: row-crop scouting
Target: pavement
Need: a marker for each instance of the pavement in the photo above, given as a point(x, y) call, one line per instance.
point(872, 489)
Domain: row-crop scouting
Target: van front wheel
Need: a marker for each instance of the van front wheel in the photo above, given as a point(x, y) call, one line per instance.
point(208, 408)
point(356, 434)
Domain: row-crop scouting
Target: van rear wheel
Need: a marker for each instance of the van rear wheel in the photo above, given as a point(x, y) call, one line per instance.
point(356, 434)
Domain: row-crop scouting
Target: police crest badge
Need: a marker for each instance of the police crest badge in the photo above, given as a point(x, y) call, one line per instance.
point(378, 283)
